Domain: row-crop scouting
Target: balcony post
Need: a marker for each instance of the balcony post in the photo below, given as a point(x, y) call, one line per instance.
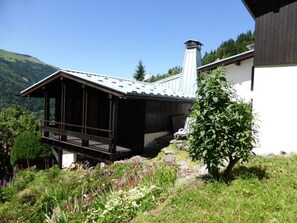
point(46, 110)
point(63, 105)
point(114, 124)
point(84, 114)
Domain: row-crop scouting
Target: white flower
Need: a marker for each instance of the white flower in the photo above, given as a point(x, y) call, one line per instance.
point(134, 204)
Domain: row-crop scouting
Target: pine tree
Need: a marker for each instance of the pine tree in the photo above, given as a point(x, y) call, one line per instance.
point(139, 72)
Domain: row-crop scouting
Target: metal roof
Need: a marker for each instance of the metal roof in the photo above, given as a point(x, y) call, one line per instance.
point(128, 88)
point(226, 61)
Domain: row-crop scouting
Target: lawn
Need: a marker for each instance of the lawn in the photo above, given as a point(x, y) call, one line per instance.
point(264, 190)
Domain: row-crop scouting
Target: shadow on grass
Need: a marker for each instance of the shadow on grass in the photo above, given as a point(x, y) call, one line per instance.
point(242, 172)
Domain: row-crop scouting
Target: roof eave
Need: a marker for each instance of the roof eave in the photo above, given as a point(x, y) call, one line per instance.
point(227, 61)
point(160, 98)
point(39, 84)
point(248, 7)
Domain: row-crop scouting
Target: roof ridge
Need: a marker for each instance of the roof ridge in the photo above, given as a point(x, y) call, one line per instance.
point(103, 75)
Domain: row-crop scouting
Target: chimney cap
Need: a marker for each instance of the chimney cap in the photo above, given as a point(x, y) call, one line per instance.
point(191, 43)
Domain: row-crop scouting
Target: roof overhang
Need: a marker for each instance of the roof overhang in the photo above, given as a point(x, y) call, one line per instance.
point(260, 7)
point(236, 59)
point(61, 74)
point(118, 87)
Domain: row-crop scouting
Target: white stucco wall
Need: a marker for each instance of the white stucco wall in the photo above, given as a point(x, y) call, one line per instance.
point(241, 77)
point(68, 158)
point(275, 94)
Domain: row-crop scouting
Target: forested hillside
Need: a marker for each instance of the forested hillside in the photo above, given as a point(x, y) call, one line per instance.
point(18, 72)
point(229, 48)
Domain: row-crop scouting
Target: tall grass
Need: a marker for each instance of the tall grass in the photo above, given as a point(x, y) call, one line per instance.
point(105, 194)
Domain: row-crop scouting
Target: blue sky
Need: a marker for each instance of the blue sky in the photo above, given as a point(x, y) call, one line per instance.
point(111, 36)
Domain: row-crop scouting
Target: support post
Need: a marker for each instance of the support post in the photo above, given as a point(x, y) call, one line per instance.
point(114, 122)
point(46, 110)
point(60, 158)
point(63, 105)
point(84, 114)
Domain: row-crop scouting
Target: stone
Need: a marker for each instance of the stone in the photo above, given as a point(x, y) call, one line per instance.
point(168, 151)
point(182, 164)
point(138, 158)
point(169, 159)
point(201, 170)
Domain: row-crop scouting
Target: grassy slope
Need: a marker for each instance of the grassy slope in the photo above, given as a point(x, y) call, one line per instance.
point(18, 72)
point(265, 190)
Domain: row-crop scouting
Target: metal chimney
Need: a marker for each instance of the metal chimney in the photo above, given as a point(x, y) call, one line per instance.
point(192, 60)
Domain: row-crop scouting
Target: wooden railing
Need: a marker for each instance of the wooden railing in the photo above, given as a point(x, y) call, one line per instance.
point(62, 130)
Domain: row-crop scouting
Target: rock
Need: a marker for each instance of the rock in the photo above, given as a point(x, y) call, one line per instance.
point(73, 166)
point(201, 170)
point(182, 164)
point(168, 151)
point(133, 159)
point(180, 144)
point(138, 158)
point(169, 159)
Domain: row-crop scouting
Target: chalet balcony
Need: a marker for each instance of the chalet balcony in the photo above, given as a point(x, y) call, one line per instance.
point(90, 142)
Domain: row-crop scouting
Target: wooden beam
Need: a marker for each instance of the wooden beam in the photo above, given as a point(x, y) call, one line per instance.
point(60, 158)
point(115, 105)
point(46, 109)
point(63, 106)
point(85, 142)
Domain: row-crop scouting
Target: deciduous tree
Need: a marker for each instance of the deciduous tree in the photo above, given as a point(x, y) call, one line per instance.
point(223, 131)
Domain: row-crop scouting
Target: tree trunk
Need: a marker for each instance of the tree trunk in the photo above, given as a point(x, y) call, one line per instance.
point(28, 163)
point(229, 168)
point(214, 172)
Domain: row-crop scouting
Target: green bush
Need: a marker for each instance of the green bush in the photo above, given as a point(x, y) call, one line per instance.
point(222, 127)
point(26, 147)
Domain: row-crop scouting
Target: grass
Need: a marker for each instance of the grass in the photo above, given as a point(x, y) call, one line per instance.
point(265, 190)
point(107, 193)
point(16, 56)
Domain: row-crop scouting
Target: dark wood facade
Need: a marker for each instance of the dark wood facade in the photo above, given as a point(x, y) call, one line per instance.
point(98, 123)
point(275, 32)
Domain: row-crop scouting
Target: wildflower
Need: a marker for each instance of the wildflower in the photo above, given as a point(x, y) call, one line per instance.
point(134, 204)
point(102, 166)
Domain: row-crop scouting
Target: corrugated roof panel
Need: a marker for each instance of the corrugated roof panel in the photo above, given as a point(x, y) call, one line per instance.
point(130, 87)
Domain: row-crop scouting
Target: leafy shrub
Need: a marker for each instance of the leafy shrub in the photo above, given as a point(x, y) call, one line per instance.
point(27, 146)
point(222, 127)
point(21, 181)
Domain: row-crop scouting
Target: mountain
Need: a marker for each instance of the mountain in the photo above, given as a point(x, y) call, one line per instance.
point(17, 72)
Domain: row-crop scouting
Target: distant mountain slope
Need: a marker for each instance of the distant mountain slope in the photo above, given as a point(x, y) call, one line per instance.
point(17, 72)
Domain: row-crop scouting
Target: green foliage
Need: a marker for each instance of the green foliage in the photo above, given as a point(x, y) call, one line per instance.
point(264, 190)
point(27, 146)
point(14, 120)
point(171, 72)
point(18, 72)
point(23, 179)
point(222, 128)
point(139, 72)
point(107, 193)
point(229, 48)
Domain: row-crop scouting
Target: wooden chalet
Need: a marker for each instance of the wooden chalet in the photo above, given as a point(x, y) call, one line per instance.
point(275, 31)
point(101, 117)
